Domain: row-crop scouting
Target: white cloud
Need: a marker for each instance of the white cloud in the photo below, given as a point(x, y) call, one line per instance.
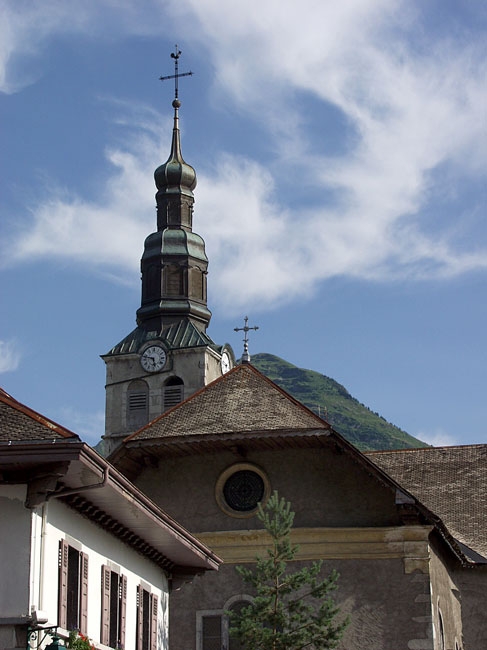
point(413, 104)
point(438, 438)
point(9, 356)
point(102, 232)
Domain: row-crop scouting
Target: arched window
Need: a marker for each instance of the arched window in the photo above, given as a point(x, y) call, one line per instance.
point(237, 606)
point(137, 404)
point(173, 392)
point(212, 626)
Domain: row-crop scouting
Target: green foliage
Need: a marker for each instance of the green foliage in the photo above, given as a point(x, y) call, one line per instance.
point(290, 610)
point(329, 399)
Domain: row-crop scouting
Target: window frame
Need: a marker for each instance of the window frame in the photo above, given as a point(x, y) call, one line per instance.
point(146, 617)
point(224, 621)
point(72, 617)
point(107, 622)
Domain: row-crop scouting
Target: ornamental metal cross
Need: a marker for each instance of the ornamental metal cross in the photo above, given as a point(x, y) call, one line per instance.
point(175, 55)
point(245, 329)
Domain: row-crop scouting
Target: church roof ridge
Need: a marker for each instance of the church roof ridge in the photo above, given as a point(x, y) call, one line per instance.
point(432, 448)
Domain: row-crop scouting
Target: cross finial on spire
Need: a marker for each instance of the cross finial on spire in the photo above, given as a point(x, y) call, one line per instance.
point(246, 329)
point(175, 55)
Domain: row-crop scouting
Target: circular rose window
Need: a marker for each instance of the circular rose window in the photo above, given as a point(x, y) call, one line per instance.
point(240, 488)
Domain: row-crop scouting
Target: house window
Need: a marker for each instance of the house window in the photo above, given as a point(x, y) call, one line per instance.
point(147, 608)
point(213, 626)
point(114, 606)
point(212, 632)
point(73, 588)
point(137, 403)
point(173, 392)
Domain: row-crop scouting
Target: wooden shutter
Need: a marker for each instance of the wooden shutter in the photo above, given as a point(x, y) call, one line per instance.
point(63, 584)
point(123, 610)
point(83, 598)
point(140, 618)
point(105, 605)
point(153, 622)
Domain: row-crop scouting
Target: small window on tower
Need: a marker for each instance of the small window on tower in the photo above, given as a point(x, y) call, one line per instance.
point(174, 280)
point(137, 404)
point(173, 392)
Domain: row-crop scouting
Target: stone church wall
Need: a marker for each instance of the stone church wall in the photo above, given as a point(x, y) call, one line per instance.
point(325, 488)
point(471, 583)
point(389, 609)
point(343, 515)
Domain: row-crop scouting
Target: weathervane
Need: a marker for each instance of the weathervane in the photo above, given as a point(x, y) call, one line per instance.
point(246, 329)
point(175, 55)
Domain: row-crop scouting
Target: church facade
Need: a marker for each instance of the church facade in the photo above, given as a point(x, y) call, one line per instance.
point(207, 440)
point(405, 580)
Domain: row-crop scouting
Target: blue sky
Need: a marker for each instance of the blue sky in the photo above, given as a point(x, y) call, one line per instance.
point(341, 155)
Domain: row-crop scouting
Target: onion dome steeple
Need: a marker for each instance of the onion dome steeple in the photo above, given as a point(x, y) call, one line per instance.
point(174, 264)
point(175, 177)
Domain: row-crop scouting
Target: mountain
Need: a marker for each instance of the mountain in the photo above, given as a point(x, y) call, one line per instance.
point(329, 399)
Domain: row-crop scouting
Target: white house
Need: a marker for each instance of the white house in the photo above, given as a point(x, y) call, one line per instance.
point(81, 548)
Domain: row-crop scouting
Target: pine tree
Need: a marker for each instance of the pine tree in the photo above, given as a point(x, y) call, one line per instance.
point(291, 610)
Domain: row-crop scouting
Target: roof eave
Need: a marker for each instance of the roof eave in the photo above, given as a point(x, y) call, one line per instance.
point(161, 533)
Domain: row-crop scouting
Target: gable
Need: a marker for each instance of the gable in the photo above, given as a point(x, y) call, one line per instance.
point(243, 400)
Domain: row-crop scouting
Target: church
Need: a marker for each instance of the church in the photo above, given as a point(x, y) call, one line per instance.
point(192, 436)
point(207, 439)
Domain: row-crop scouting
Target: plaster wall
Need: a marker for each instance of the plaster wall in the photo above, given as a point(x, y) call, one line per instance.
point(445, 601)
point(325, 488)
point(101, 548)
point(347, 516)
point(15, 557)
point(388, 609)
point(471, 583)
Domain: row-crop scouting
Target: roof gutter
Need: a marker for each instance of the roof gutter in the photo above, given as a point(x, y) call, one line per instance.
point(82, 488)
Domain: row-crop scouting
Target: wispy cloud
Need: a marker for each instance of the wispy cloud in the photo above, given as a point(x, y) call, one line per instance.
point(413, 106)
point(438, 438)
point(10, 356)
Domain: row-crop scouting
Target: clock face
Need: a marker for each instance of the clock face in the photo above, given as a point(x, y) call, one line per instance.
point(153, 358)
point(225, 363)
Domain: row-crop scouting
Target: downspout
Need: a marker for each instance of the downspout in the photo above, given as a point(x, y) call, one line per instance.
point(43, 552)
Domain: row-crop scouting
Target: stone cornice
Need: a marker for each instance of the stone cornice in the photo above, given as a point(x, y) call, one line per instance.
point(409, 543)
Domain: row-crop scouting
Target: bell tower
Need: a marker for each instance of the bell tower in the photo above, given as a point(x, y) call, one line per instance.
point(169, 355)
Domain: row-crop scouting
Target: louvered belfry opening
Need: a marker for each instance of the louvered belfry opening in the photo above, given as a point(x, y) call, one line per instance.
point(137, 403)
point(173, 392)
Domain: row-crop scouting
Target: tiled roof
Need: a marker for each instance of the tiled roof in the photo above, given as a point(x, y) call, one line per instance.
point(450, 481)
point(243, 400)
point(20, 423)
point(180, 335)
